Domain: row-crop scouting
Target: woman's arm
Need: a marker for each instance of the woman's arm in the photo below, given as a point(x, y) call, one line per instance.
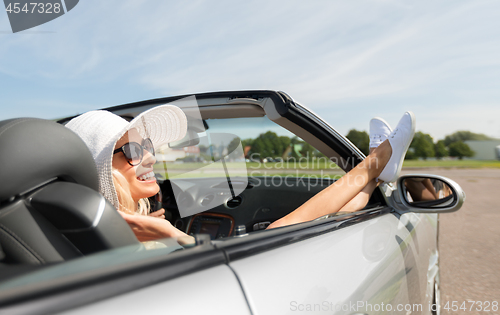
point(148, 228)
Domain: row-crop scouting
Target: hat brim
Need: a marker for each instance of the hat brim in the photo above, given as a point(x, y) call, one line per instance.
point(162, 124)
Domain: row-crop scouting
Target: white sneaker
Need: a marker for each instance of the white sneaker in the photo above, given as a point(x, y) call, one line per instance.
point(400, 140)
point(379, 131)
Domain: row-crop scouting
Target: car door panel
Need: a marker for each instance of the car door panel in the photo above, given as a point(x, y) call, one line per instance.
point(363, 262)
point(423, 245)
point(211, 291)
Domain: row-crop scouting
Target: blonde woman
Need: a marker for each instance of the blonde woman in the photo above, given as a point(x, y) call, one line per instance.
point(124, 155)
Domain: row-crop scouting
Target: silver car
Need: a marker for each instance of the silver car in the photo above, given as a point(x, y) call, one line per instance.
point(64, 248)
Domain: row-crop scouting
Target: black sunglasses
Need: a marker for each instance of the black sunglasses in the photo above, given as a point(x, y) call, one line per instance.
point(134, 152)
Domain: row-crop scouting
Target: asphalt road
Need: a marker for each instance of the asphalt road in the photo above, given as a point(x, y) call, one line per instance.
point(469, 242)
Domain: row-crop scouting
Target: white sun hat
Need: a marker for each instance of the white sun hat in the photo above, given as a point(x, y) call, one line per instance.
point(101, 129)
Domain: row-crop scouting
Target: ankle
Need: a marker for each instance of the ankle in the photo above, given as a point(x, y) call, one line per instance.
point(373, 165)
point(379, 158)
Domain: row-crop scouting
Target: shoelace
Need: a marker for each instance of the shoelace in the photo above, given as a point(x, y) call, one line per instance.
point(394, 132)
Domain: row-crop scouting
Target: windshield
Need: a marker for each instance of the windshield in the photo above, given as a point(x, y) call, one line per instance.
point(252, 146)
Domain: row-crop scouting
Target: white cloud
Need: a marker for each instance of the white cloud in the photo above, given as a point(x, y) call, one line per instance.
point(348, 59)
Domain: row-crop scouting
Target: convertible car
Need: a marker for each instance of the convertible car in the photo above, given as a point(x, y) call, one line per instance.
point(249, 158)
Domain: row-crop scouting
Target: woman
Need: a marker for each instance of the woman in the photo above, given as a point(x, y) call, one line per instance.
point(128, 183)
point(124, 155)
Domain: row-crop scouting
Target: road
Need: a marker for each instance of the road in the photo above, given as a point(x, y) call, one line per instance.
point(469, 241)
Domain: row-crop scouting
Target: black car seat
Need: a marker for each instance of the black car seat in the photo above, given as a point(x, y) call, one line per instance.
point(50, 207)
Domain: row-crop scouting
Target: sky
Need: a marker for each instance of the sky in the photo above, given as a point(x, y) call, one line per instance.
point(348, 61)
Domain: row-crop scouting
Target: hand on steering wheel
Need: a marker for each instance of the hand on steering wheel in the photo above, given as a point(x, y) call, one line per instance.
point(160, 214)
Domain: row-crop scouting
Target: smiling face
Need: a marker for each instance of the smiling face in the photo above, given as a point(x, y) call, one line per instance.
point(140, 179)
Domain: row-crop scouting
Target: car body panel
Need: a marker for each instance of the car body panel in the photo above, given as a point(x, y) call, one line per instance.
point(211, 291)
point(332, 270)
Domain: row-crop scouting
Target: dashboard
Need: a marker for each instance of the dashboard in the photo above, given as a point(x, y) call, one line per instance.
point(261, 202)
point(214, 224)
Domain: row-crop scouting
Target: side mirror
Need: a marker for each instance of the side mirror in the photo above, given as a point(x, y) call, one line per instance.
point(429, 194)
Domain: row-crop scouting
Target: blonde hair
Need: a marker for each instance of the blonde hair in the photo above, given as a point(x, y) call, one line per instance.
point(125, 199)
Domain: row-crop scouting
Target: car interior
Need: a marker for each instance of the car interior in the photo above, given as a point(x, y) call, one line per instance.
point(51, 210)
point(50, 207)
point(265, 196)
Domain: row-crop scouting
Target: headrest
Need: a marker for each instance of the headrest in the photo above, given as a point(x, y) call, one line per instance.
point(35, 151)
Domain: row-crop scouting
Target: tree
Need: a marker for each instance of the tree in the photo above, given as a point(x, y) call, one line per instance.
point(295, 147)
point(260, 148)
point(460, 149)
point(423, 145)
point(359, 139)
point(232, 148)
point(295, 140)
point(410, 154)
point(203, 148)
point(440, 150)
point(464, 136)
point(285, 143)
point(270, 145)
point(246, 142)
point(308, 150)
point(247, 146)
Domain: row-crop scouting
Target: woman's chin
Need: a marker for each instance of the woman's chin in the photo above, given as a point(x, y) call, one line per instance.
point(147, 189)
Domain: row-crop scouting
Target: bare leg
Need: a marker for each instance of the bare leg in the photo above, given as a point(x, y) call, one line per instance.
point(337, 195)
point(421, 190)
point(361, 199)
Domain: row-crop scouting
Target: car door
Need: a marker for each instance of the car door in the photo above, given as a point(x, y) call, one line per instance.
point(343, 266)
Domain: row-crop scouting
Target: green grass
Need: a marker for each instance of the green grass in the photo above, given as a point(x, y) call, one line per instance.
point(451, 164)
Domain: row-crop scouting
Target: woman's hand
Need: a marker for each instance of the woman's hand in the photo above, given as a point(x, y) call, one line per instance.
point(148, 228)
point(158, 214)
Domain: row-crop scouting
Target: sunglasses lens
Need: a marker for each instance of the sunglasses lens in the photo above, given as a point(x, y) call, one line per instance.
point(133, 152)
point(148, 146)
